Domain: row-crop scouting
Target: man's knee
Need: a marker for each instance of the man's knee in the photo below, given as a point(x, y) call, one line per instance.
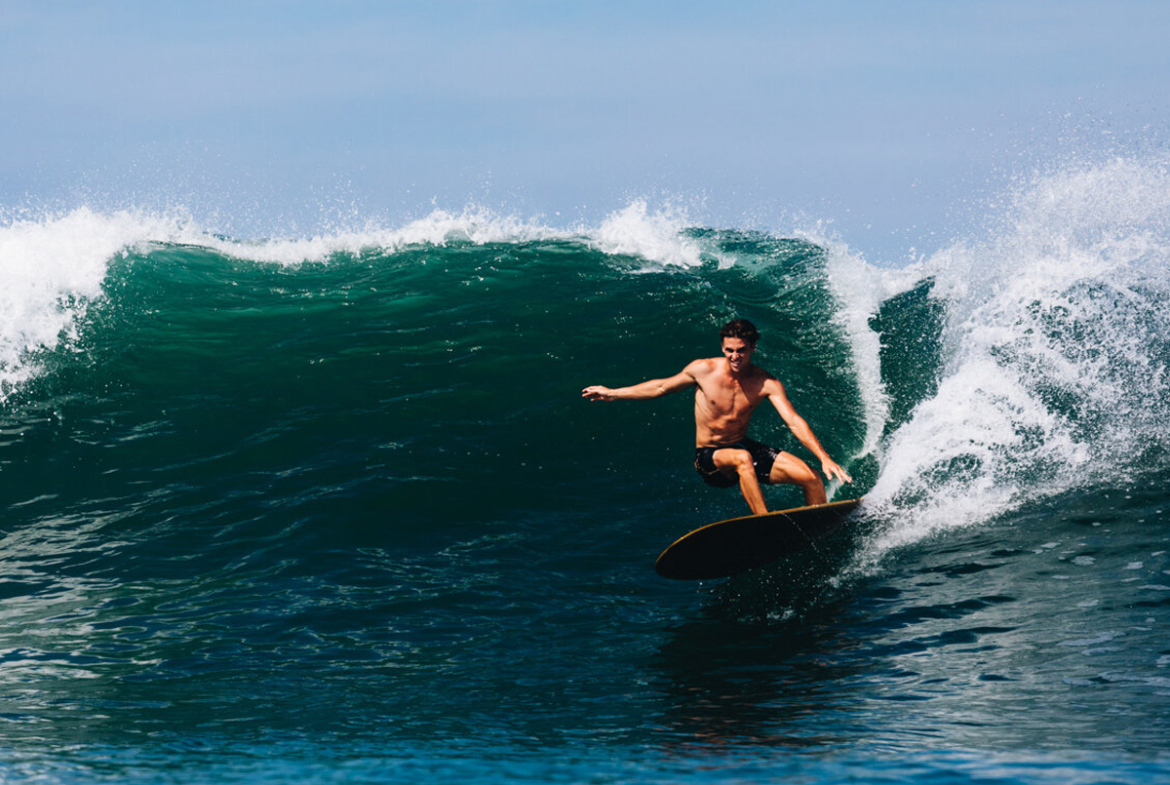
point(790, 469)
point(807, 475)
point(738, 461)
point(742, 462)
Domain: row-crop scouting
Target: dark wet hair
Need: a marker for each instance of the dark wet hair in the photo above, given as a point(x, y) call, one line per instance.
point(742, 329)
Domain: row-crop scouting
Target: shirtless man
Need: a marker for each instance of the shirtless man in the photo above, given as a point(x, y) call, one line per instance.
point(727, 390)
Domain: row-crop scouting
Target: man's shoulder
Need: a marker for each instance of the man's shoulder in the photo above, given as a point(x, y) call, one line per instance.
point(766, 378)
point(764, 373)
point(703, 365)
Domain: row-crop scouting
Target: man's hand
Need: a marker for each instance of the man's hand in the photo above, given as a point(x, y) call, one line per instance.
point(831, 470)
point(597, 393)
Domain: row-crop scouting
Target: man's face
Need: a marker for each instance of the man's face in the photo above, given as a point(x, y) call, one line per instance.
point(738, 353)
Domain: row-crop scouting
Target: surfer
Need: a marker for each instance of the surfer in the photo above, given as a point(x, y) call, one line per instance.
point(727, 390)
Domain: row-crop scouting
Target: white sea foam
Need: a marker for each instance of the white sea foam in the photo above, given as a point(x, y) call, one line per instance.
point(474, 225)
point(53, 268)
point(1056, 348)
point(655, 237)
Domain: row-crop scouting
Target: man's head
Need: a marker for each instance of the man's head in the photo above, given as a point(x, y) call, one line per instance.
point(742, 329)
point(738, 342)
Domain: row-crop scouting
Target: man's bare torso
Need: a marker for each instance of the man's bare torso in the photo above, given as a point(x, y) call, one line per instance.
point(724, 401)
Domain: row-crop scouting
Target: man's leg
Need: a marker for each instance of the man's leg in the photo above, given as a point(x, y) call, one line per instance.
point(792, 470)
point(735, 462)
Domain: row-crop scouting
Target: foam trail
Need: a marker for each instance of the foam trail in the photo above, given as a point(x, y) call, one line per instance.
point(1057, 341)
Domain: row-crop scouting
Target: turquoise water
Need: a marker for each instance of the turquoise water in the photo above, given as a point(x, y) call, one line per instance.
point(332, 509)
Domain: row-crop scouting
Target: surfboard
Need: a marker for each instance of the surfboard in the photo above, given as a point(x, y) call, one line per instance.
point(726, 548)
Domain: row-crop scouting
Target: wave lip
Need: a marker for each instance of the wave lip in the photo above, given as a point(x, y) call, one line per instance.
point(475, 225)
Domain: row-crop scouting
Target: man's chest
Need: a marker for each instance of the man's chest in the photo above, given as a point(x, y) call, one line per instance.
point(727, 400)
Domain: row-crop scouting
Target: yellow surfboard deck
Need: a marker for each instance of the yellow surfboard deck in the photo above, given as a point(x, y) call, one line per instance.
point(719, 550)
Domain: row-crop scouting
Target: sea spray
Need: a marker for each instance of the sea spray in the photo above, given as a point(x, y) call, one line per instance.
point(1056, 341)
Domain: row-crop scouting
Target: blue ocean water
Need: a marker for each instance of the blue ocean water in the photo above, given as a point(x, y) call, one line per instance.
point(332, 509)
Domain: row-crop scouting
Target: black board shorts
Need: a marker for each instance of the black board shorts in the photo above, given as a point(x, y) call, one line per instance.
point(763, 457)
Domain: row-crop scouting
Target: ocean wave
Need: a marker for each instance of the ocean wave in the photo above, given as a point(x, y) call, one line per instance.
point(1052, 368)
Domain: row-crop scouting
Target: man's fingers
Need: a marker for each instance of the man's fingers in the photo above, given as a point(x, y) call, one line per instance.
point(833, 469)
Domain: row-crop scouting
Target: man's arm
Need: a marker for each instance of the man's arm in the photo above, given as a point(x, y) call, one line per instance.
point(801, 430)
point(654, 388)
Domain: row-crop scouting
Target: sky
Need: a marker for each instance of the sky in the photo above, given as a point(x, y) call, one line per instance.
point(891, 124)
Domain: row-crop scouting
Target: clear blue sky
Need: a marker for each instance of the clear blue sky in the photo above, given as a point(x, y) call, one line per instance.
point(891, 119)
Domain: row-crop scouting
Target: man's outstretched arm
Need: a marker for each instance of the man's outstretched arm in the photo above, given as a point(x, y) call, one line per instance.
point(804, 434)
point(654, 388)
